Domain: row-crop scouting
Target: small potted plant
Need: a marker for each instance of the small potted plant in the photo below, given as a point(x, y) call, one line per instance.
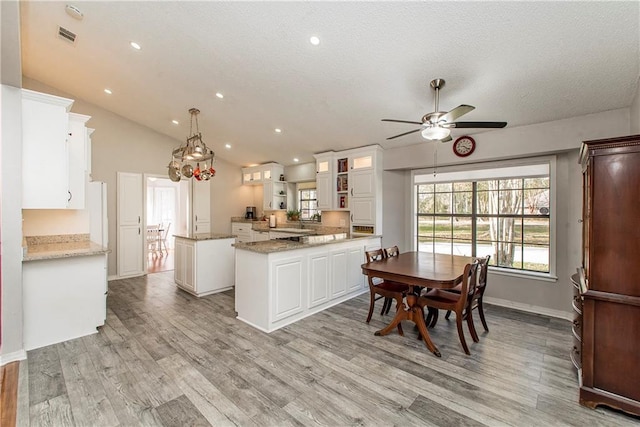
point(293, 215)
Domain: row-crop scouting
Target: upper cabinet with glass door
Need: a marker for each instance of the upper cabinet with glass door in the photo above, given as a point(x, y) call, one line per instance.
point(260, 174)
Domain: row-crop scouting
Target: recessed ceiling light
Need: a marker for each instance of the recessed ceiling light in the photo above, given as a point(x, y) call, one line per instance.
point(314, 40)
point(296, 160)
point(227, 146)
point(108, 91)
point(135, 45)
point(175, 122)
point(219, 95)
point(278, 130)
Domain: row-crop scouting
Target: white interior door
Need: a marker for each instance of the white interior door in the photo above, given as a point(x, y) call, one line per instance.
point(130, 225)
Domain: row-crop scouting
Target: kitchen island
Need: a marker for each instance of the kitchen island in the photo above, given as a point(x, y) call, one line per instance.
point(204, 263)
point(279, 282)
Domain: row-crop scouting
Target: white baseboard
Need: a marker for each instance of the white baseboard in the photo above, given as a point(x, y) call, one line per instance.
point(110, 278)
point(567, 315)
point(12, 357)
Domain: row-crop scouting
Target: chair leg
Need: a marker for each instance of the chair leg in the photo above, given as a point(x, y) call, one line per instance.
point(461, 334)
point(446, 316)
point(384, 305)
point(371, 304)
point(481, 311)
point(472, 326)
point(388, 306)
point(434, 317)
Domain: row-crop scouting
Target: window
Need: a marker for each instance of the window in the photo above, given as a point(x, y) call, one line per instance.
point(494, 213)
point(307, 200)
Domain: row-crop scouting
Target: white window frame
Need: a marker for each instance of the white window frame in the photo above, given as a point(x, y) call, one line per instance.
point(475, 171)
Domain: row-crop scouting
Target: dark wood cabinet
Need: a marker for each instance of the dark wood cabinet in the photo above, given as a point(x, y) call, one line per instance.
point(607, 348)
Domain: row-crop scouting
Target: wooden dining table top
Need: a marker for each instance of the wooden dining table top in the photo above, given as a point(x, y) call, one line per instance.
point(425, 269)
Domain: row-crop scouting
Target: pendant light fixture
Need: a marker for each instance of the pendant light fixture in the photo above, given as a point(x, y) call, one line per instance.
point(193, 158)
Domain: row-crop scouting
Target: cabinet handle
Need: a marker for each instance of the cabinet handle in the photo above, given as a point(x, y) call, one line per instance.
point(196, 217)
point(351, 217)
point(138, 231)
point(196, 227)
point(352, 192)
point(70, 196)
point(138, 219)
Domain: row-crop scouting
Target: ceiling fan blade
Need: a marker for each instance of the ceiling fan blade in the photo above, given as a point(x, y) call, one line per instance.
point(447, 139)
point(459, 111)
point(403, 134)
point(401, 121)
point(460, 125)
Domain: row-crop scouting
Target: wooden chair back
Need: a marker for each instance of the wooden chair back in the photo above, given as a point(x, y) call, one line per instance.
point(376, 255)
point(391, 252)
point(482, 274)
point(468, 286)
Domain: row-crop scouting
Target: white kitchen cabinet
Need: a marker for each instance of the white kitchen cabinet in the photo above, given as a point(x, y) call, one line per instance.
point(259, 236)
point(185, 264)
point(363, 211)
point(287, 290)
point(63, 299)
point(362, 183)
point(255, 175)
point(338, 259)
point(319, 281)
point(204, 266)
point(275, 195)
point(45, 157)
point(201, 206)
point(78, 163)
point(242, 231)
point(355, 279)
point(324, 180)
point(129, 222)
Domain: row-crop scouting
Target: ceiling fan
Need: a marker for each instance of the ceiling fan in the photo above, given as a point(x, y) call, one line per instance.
point(437, 125)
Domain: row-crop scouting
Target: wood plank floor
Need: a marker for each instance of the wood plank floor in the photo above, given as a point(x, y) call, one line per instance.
point(167, 358)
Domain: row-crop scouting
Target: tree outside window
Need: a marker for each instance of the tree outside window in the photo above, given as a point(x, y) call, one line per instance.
point(508, 219)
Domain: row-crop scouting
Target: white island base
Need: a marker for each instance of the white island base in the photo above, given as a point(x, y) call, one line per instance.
point(204, 263)
point(274, 289)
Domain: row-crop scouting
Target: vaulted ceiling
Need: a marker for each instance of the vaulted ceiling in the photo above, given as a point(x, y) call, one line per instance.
point(519, 62)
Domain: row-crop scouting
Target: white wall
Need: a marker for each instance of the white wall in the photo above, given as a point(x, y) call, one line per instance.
point(11, 347)
point(300, 173)
point(120, 145)
point(562, 138)
point(635, 111)
point(11, 220)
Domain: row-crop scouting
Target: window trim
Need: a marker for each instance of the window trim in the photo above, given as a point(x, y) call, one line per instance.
point(527, 161)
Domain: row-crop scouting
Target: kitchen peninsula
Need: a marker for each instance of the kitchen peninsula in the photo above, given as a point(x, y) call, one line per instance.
point(279, 282)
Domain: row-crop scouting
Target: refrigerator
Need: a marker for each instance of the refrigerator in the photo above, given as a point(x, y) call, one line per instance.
point(97, 205)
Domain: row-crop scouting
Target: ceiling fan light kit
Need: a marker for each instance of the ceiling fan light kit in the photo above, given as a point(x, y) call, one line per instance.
point(435, 133)
point(436, 126)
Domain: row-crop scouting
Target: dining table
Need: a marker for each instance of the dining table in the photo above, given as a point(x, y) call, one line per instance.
point(418, 270)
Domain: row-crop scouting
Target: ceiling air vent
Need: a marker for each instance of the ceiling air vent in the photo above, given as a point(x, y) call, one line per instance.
point(67, 35)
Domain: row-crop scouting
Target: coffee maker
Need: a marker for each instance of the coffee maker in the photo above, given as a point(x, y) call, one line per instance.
point(251, 212)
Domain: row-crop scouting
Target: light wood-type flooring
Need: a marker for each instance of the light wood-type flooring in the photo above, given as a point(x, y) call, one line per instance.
point(160, 261)
point(167, 358)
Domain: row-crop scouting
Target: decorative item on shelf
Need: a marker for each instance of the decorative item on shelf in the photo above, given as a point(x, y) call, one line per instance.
point(281, 205)
point(281, 192)
point(281, 177)
point(193, 150)
point(293, 215)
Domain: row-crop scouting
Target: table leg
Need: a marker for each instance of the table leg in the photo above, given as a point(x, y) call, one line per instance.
point(418, 318)
point(401, 314)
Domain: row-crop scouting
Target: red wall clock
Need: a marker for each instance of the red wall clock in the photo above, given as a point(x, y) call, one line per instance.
point(464, 146)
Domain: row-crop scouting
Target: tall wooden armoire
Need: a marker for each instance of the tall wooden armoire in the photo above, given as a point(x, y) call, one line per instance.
point(609, 326)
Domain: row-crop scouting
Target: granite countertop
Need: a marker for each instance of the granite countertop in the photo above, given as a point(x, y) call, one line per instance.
point(205, 236)
point(61, 246)
point(271, 246)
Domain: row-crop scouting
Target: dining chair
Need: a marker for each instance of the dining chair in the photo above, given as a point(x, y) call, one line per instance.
point(442, 299)
point(153, 238)
point(388, 253)
point(385, 289)
point(163, 238)
point(477, 298)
